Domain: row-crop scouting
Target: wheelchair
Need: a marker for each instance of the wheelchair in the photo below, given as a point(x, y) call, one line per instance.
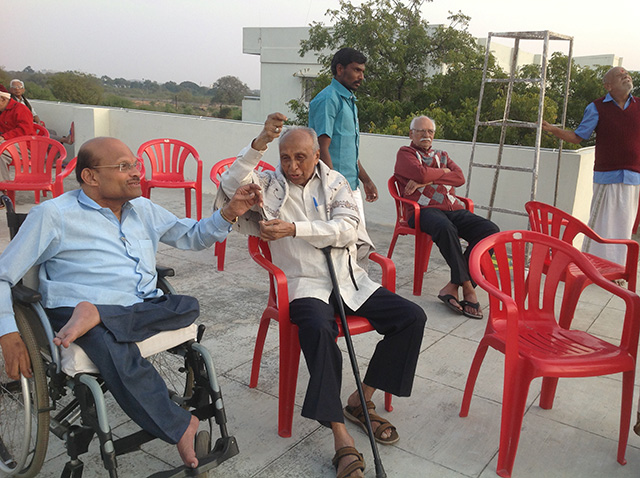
point(66, 396)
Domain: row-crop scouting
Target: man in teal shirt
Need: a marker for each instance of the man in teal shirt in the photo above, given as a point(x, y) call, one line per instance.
point(333, 114)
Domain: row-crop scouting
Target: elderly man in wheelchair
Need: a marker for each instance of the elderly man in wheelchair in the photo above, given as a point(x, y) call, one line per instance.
point(95, 248)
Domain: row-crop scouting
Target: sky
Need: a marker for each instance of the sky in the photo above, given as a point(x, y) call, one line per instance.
point(201, 40)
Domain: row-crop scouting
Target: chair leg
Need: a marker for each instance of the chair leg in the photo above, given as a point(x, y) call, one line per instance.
point(198, 204)
point(625, 414)
point(573, 287)
point(393, 244)
point(387, 402)
point(289, 364)
point(548, 392)
point(514, 399)
point(219, 251)
point(421, 261)
point(471, 379)
point(187, 201)
point(257, 350)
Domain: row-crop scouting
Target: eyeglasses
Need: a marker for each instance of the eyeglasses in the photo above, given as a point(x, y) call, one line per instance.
point(123, 167)
point(425, 131)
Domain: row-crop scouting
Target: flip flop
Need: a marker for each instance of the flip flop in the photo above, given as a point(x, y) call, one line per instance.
point(473, 305)
point(447, 301)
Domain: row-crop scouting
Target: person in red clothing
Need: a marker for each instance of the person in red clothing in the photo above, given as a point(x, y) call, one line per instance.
point(429, 177)
point(15, 120)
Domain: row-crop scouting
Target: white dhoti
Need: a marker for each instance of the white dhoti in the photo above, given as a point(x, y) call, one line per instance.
point(613, 212)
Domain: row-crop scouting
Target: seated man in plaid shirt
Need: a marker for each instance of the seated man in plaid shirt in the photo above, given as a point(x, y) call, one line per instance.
point(429, 177)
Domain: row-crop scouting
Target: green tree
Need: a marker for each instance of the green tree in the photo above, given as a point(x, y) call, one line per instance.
point(229, 90)
point(403, 53)
point(76, 87)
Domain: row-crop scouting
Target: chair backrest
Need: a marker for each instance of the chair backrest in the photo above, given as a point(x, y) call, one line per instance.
point(166, 158)
point(523, 282)
point(34, 158)
point(222, 165)
point(521, 271)
point(41, 130)
point(550, 220)
point(402, 211)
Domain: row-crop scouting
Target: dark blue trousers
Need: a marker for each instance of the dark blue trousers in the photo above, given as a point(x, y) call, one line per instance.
point(134, 383)
point(391, 368)
point(446, 227)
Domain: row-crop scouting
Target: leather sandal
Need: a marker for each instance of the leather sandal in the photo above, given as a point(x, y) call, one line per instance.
point(356, 415)
point(352, 467)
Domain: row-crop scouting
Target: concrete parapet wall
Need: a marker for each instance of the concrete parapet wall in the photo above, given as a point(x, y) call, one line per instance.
point(216, 139)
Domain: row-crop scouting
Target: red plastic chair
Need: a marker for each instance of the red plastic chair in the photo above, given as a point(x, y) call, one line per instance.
point(41, 130)
point(216, 171)
point(554, 222)
point(37, 162)
point(166, 158)
point(522, 324)
point(424, 243)
point(278, 310)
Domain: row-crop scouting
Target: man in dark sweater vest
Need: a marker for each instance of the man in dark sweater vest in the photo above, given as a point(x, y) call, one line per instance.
point(616, 120)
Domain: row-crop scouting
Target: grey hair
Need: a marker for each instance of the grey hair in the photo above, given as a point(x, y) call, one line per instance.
point(310, 131)
point(414, 120)
point(16, 80)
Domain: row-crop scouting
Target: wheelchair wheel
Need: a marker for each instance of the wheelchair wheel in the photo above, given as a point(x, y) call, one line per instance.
point(24, 408)
point(176, 373)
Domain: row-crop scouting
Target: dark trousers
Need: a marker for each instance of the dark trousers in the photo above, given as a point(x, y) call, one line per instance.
point(446, 227)
point(392, 366)
point(134, 383)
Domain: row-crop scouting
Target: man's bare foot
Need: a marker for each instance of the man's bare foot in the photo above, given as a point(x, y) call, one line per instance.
point(471, 305)
point(84, 318)
point(185, 445)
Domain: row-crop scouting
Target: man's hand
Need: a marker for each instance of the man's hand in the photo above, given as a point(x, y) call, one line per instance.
point(412, 186)
point(272, 129)
point(16, 357)
point(244, 199)
point(276, 229)
point(370, 191)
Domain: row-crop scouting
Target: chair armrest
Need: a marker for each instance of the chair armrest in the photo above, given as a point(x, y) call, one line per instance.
point(25, 295)
point(468, 203)
point(58, 185)
point(388, 270)
point(277, 277)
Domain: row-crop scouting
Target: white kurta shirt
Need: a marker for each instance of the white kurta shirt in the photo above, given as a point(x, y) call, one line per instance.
point(325, 214)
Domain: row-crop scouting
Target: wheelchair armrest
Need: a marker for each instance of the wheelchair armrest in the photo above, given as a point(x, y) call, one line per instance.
point(23, 294)
point(165, 271)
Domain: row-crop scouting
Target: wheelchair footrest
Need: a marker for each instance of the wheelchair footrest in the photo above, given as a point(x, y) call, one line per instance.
point(224, 449)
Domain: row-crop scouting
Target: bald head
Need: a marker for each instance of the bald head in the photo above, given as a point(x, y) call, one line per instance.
point(617, 81)
point(299, 154)
point(94, 152)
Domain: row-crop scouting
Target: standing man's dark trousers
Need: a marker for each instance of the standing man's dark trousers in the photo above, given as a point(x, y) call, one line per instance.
point(134, 383)
point(392, 366)
point(446, 227)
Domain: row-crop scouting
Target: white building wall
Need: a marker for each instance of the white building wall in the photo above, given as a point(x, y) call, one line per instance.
point(216, 139)
point(281, 69)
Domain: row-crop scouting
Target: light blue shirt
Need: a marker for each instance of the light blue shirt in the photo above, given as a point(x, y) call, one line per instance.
point(334, 112)
point(86, 254)
point(585, 130)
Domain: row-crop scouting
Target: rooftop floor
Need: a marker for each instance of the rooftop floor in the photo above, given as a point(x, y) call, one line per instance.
point(577, 438)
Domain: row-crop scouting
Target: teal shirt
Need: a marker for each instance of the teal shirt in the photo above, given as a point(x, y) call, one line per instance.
point(334, 112)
